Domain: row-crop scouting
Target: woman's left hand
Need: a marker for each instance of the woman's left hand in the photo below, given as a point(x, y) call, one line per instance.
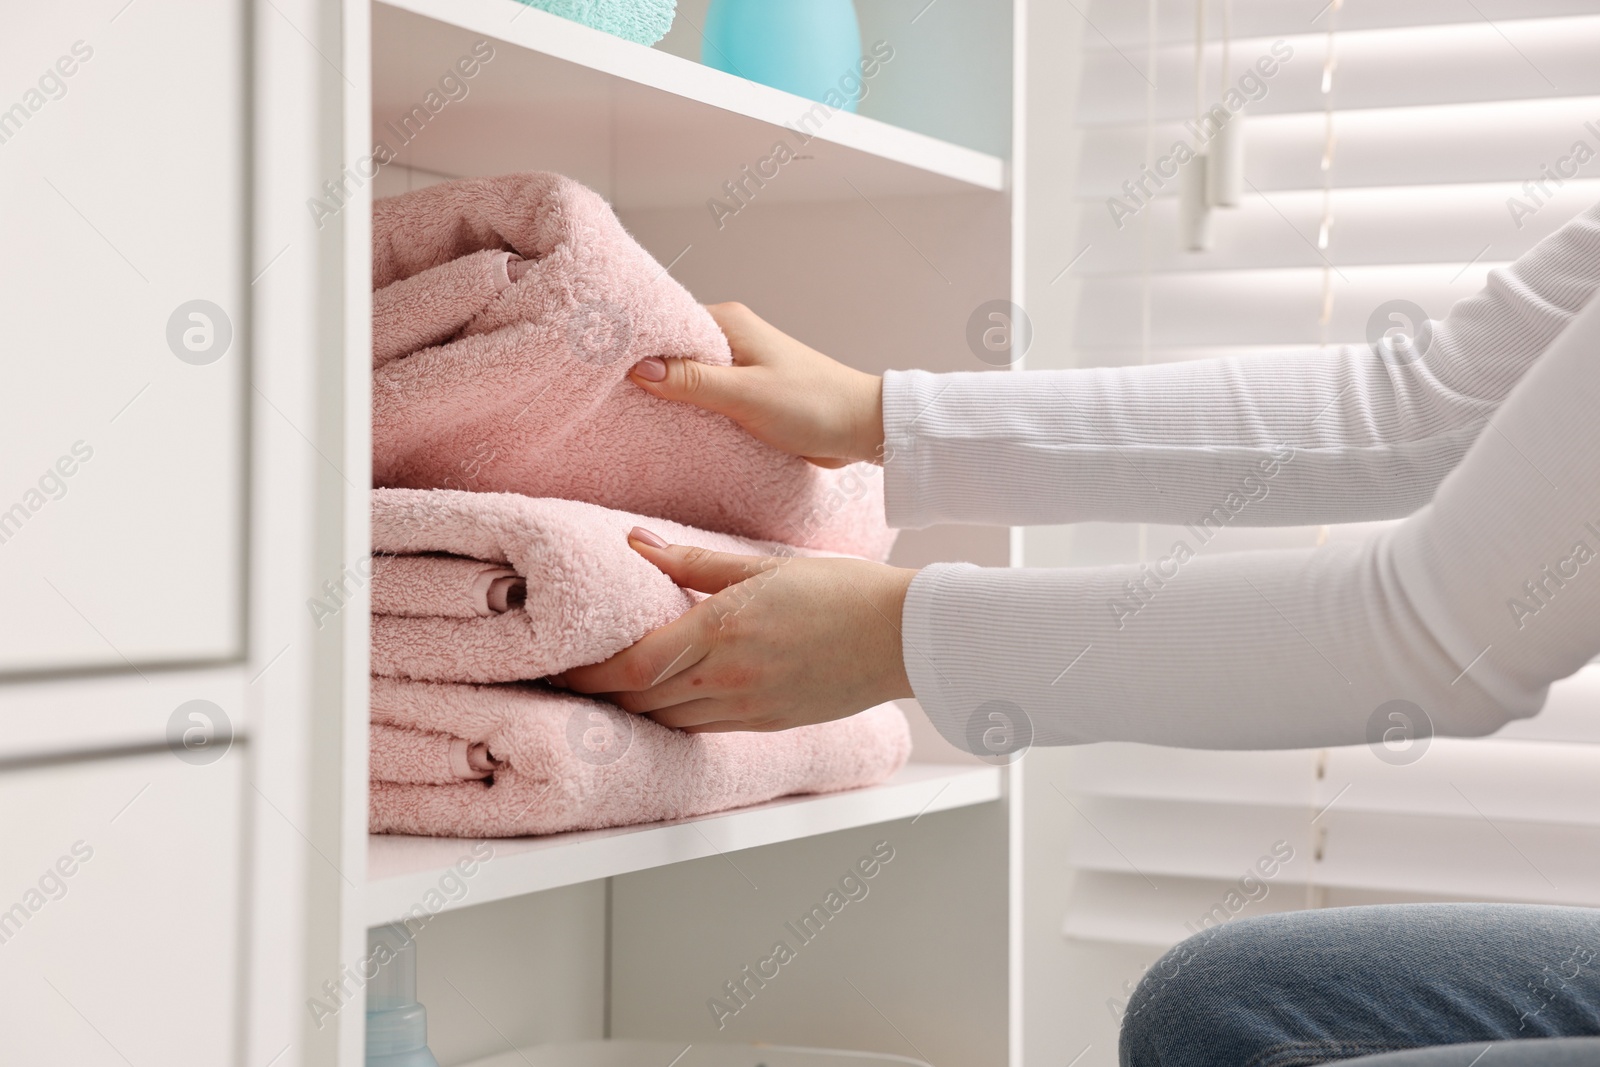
point(781, 642)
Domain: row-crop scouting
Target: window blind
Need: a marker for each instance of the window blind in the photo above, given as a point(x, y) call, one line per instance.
point(1400, 151)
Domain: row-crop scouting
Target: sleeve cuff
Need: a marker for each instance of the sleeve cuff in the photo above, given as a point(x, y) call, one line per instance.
point(919, 640)
point(907, 396)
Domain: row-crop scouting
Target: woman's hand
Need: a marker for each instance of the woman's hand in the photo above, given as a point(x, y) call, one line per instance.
point(781, 642)
point(782, 392)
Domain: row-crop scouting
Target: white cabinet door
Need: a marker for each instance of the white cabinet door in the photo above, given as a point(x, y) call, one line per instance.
point(123, 288)
point(119, 888)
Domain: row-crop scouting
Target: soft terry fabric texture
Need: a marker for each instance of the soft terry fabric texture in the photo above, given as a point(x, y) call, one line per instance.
point(447, 586)
point(532, 394)
point(589, 595)
point(640, 21)
point(429, 308)
point(426, 757)
point(573, 763)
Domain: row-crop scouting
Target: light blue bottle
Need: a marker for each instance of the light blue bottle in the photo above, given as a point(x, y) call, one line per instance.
point(806, 47)
point(397, 1026)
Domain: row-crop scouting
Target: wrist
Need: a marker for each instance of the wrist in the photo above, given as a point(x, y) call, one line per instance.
point(896, 681)
point(868, 436)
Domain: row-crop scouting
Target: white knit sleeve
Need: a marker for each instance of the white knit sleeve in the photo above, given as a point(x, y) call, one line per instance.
point(1468, 610)
point(1370, 437)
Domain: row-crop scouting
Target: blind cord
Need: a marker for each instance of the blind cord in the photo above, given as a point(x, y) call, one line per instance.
point(1151, 53)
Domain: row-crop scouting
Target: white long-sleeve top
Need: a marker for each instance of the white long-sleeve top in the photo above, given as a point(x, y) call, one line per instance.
point(1486, 594)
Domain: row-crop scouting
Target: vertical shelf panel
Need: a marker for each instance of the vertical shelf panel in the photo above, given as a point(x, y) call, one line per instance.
point(916, 965)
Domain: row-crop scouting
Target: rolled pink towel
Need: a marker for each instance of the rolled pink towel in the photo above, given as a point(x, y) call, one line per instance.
point(445, 586)
point(429, 308)
point(589, 595)
point(425, 757)
point(532, 396)
point(572, 763)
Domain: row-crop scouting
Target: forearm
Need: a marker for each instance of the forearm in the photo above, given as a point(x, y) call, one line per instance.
point(1265, 650)
point(1173, 443)
point(1469, 609)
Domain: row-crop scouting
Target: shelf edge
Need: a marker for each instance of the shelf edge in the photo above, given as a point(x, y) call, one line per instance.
point(573, 42)
point(602, 854)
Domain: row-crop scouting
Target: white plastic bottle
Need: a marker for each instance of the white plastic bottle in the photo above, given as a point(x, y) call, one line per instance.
point(397, 1026)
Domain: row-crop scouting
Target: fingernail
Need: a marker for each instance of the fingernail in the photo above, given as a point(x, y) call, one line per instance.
point(517, 267)
point(651, 370)
point(639, 533)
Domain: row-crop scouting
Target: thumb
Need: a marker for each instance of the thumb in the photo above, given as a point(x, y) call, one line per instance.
point(705, 385)
point(700, 569)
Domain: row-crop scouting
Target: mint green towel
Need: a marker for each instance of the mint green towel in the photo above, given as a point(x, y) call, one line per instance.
point(644, 21)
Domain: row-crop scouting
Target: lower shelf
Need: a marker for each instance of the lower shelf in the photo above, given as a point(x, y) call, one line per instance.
point(656, 1053)
point(432, 873)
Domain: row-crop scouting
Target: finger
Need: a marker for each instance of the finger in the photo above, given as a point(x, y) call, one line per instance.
point(695, 714)
point(729, 726)
point(706, 385)
point(428, 308)
point(827, 462)
point(654, 658)
point(682, 687)
point(700, 569)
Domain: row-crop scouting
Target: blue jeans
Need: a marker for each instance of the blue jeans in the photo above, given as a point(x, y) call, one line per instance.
point(1363, 985)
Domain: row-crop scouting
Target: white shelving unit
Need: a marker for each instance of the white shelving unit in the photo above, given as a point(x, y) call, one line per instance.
point(673, 116)
point(224, 492)
point(876, 244)
point(401, 869)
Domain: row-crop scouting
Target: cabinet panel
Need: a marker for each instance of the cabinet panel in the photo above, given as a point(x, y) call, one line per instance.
point(891, 938)
point(119, 887)
point(123, 288)
point(49, 717)
point(521, 972)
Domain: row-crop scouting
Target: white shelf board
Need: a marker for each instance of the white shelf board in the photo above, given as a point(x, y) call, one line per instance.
point(403, 870)
point(623, 1052)
point(647, 128)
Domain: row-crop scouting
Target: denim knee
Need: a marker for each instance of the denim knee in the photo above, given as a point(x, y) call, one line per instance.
point(1165, 1006)
point(1193, 1002)
point(1313, 986)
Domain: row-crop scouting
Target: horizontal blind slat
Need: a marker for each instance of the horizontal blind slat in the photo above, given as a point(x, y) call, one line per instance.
point(1263, 307)
point(1399, 146)
point(1400, 851)
point(1129, 910)
point(1452, 224)
point(1123, 24)
point(1523, 59)
point(1123, 909)
point(1518, 779)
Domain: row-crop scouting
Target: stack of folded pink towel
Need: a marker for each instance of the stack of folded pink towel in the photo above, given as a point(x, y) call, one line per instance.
point(515, 456)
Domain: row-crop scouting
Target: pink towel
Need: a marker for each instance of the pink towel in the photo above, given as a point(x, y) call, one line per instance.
point(424, 757)
point(429, 308)
point(589, 595)
point(446, 586)
point(571, 763)
point(532, 396)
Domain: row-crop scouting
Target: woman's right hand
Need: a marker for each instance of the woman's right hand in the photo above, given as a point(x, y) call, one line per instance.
point(781, 391)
